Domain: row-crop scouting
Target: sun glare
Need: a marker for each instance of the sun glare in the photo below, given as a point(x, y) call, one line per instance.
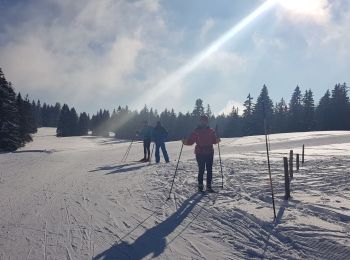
point(304, 7)
point(175, 78)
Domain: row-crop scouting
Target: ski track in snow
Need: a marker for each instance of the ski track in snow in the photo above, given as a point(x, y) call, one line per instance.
point(71, 198)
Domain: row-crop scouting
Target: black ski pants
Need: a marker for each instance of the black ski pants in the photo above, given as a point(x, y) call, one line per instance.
point(147, 148)
point(205, 161)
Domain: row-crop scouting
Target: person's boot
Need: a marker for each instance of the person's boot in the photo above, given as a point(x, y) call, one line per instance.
point(210, 190)
point(200, 188)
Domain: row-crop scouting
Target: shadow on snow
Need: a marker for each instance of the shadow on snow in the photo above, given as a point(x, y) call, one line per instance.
point(34, 151)
point(121, 168)
point(153, 241)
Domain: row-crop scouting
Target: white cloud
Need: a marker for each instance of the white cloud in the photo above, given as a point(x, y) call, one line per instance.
point(149, 5)
point(319, 26)
point(305, 10)
point(228, 108)
point(263, 42)
point(337, 34)
point(87, 47)
point(225, 63)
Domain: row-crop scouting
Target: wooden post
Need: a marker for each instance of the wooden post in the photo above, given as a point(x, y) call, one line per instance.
point(297, 162)
point(286, 179)
point(291, 164)
point(302, 156)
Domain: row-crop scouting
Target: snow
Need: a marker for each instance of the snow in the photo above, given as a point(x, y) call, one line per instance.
point(72, 198)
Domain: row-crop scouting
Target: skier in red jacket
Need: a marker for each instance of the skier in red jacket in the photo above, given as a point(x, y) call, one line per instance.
point(204, 137)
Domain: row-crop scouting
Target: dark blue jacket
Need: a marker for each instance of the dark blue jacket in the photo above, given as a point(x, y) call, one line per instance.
point(160, 134)
point(146, 133)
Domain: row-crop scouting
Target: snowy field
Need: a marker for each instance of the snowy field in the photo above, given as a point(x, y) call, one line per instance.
point(72, 198)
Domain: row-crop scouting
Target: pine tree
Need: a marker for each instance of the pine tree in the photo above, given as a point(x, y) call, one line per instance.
point(10, 137)
point(340, 107)
point(172, 126)
point(63, 127)
point(233, 126)
point(118, 123)
point(308, 111)
point(323, 112)
point(144, 115)
point(56, 110)
point(280, 120)
point(153, 116)
point(35, 114)
point(38, 114)
point(185, 123)
point(113, 121)
point(73, 123)
point(101, 124)
point(105, 126)
point(263, 111)
point(95, 123)
point(208, 111)
point(248, 106)
point(296, 111)
point(68, 122)
point(45, 115)
point(248, 121)
point(26, 119)
point(198, 108)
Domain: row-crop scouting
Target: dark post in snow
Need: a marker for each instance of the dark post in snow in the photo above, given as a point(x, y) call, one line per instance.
point(302, 156)
point(286, 179)
point(268, 163)
point(291, 164)
point(297, 162)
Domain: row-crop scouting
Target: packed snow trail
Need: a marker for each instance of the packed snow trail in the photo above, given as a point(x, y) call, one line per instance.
point(71, 198)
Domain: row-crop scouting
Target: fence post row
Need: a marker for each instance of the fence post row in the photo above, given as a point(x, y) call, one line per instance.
point(303, 155)
point(286, 179)
point(288, 170)
point(297, 162)
point(291, 164)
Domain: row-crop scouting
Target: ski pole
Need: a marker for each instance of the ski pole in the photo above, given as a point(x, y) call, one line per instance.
point(268, 163)
point(127, 151)
point(268, 138)
point(222, 174)
point(177, 165)
point(124, 156)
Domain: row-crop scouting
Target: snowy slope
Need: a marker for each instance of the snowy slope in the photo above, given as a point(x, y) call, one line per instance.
point(71, 198)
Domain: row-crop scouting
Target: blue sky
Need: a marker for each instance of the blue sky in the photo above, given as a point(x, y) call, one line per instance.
point(101, 54)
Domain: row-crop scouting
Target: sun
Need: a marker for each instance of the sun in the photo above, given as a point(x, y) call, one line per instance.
point(305, 7)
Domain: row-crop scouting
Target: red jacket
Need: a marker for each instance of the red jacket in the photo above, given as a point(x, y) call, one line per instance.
point(204, 137)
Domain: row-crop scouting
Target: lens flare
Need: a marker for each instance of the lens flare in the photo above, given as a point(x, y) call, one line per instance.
point(157, 91)
point(305, 7)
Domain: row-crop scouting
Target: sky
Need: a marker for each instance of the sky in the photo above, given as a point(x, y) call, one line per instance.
point(101, 54)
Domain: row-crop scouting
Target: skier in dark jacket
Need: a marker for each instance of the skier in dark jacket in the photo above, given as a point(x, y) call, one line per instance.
point(146, 135)
point(160, 135)
point(204, 137)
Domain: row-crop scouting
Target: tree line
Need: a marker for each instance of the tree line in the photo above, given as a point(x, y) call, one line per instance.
point(19, 118)
point(299, 115)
